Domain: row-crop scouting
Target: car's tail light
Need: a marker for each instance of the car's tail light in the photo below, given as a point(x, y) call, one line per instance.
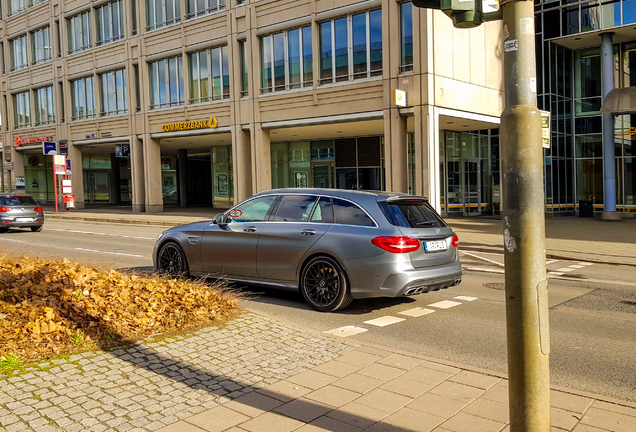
point(455, 241)
point(5, 209)
point(397, 244)
point(38, 209)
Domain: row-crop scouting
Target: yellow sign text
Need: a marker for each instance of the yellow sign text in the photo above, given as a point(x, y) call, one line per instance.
point(201, 124)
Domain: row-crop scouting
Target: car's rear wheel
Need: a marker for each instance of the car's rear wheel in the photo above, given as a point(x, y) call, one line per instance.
point(172, 260)
point(36, 228)
point(324, 285)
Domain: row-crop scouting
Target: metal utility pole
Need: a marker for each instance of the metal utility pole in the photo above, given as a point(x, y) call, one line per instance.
point(524, 226)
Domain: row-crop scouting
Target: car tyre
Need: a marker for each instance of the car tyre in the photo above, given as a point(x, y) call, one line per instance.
point(172, 260)
point(324, 286)
point(36, 229)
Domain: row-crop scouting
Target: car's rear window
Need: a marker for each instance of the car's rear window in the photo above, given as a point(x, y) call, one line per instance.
point(17, 200)
point(418, 214)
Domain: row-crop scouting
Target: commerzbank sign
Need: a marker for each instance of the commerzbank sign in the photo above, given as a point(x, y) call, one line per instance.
point(189, 125)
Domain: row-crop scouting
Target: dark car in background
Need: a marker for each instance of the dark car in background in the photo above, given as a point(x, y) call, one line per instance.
point(332, 245)
point(20, 211)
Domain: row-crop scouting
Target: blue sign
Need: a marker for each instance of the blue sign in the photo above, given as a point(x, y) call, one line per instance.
point(122, 150)
point(68, 166)
point(63, 147)
point(49, 148)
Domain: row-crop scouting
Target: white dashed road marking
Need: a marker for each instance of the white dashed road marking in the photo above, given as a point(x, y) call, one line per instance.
point(586, 263)
point(576, 266)
point(484, 269)
point(384, 321)
point(17, 241)
point(551, 262)
point(416, 312)
point(466, 298)
point(554, 274)
point(101, 234)
point(482, 258)
point(446, 304)
point(346, 331)
point(111, 253)
point(565, 269)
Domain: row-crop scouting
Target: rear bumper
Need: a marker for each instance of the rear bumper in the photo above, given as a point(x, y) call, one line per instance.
point(11, 223)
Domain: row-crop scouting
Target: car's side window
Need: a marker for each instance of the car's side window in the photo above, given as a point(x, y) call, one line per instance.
point(251, 211)
point(295, 208)
point(347, 213)
point(323, 212)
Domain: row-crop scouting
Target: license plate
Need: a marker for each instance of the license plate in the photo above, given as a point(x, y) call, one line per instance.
point(435, 246)
point(24, 219)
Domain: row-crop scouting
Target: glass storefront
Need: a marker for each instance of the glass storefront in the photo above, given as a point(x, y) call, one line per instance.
point(97, 178)
point(348, 163)
point(38, 177)
point(466, 164)
point(223, 188)
point(169, 189)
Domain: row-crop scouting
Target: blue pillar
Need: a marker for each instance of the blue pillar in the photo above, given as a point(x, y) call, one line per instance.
point(609, 166)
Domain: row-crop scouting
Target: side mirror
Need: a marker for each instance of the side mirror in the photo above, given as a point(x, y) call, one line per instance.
point(218, 219)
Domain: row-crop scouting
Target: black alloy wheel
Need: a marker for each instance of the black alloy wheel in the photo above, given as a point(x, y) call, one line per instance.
point(172, 260)
point(324, 285)
point(36, 229)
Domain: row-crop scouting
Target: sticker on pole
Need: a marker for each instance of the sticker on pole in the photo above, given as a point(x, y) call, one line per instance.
point(511, 45)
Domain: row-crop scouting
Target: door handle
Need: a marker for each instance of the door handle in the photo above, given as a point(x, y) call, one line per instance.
point(308, 231)
point(249, 229)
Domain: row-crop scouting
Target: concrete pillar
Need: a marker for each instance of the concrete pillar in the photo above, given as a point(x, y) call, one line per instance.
point(115, 188)
point(262, 163)
point(18, 167)
point(183, 177)
point(152, 174)
point(609, 167)
point(242, 164)
point(395, 143)
point(137, 175)
point(430, 156)
point(77, 175)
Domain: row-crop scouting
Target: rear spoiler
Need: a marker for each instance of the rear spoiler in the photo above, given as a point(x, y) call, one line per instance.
point(406, 199)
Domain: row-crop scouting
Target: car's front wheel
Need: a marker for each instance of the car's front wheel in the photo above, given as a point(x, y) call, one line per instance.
point(172, 260)
point(324, 286)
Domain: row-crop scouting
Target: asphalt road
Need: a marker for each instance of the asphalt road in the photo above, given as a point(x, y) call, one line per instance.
point(592, 307)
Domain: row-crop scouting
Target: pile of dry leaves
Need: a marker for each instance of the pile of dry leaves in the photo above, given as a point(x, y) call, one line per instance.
point(50, 308)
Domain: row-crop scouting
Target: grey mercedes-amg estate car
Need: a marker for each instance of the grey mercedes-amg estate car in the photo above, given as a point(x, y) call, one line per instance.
point(332, 245)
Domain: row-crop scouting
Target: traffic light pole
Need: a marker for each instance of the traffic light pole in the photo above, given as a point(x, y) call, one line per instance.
point(524, 226)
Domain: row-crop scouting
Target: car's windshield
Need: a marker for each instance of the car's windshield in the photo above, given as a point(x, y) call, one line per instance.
point(17, 200)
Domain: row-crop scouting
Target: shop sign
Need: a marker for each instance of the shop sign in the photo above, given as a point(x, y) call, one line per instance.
point(34, 161)
point(68, 166)
point(202, 124)
point(91, 136)
point(35, 140)
point(400, 98)
point(545, 129)
point(8, 166)
point(66, 186)
point(20, 182)
point(122, 150)
point(63, 147)
point(7, 154)
point(107, 134)
point(631, 131)
point(49, 148)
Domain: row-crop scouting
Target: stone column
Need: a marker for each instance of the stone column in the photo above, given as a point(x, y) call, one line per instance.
point(115, 188)
point(609, 164)
point(137, 175)
point(262, 163)
point(152, 173)
point(430, 155)
point(183, 177)
point(395, 142)
point(242, 164)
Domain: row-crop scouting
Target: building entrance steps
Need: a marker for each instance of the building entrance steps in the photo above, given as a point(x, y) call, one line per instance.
point(566, 238)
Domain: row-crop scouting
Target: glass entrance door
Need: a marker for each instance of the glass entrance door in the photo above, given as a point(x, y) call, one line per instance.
point(322, 175)
point(97, 186)
point(472, 187)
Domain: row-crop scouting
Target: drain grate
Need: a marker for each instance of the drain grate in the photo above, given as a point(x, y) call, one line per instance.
point(627, 302)
point(495, 285)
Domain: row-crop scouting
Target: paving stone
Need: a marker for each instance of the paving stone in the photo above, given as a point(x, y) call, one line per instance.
point(384, 400)
point(456, 391)
point(358, 383)
point(271, 422)
point(609, 420)
point(462, 422)
point(303, 409)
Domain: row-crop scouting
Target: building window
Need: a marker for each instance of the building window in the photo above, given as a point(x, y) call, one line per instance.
point(244, 79)
point(44, 106)
point(587, 82)
point(195, 8)
point(166, 82)
point(79, 33)
point(110, 22)
point(209, 75)
point(16, 6)
point(286, 60)
point(161, 13)
point(351, 47)
point(113, 92)
point(83, 98)
point(21, 109)
point(41, 48)
point(19, 53)
point(406, 37)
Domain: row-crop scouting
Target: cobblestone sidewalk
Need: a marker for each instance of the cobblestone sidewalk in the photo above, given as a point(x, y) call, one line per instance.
point(154, 384)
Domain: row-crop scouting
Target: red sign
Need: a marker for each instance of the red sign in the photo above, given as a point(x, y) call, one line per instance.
point(35, 140)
